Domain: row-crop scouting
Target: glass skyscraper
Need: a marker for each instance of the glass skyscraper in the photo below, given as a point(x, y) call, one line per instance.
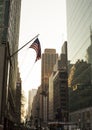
point(79, 37)
point(79, 26)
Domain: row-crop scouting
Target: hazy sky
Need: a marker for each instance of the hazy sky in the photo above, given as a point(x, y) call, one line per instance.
point(44, 17)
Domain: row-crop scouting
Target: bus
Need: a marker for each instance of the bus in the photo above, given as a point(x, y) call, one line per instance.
point(63, 126)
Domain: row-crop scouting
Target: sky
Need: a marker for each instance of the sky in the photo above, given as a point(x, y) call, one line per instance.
point(44, 17)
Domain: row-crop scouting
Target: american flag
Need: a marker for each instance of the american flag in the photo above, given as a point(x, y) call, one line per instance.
point(36, 46)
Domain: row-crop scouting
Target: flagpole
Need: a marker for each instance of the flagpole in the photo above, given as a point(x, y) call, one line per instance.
point(23, 46)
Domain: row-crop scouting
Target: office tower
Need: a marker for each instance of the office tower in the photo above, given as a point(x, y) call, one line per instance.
point(35, 115)
point(79, 34)
point(9, 36)
point(58, 88)
point(31, 95)
point(49, 58)
point(79, 24)
point(18, 98)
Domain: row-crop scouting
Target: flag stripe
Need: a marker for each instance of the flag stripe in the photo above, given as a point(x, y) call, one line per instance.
point(36, 46)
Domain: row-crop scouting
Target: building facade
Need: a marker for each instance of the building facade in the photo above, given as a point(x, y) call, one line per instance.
point(36, 115)
point(18, 98)
point(51, 99)
point(31, 95)
point(79, 36)
point(58, 88)
point(49, 58)
point(9, 36)
point(79, 24)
